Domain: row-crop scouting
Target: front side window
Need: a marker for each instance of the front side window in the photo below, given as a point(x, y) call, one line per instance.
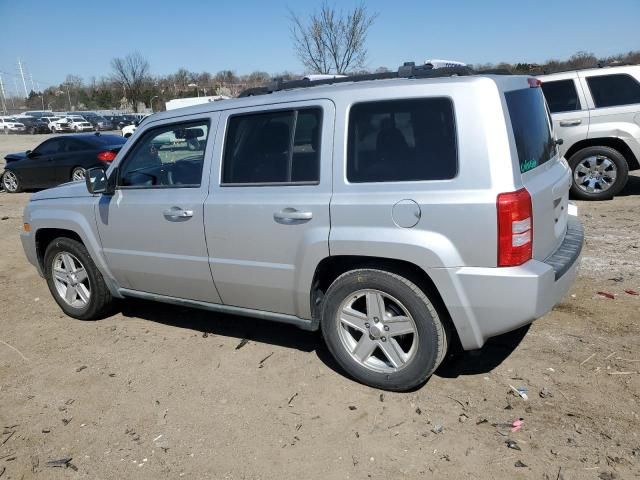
point(280, 147)
point(402, 140)
point(531, 127)
point(561, 95)
point(51, 147)
point(169, 156)
point(614, 90)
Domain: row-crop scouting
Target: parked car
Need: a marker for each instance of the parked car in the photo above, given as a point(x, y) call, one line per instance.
point(79, 124)
point(399, 216)
point(38, 113)
point(34, 125)
point(596, 112)
point(119, 121)
point(57, 124)
point(11, 125)
point(58, 160)
point(129, 130)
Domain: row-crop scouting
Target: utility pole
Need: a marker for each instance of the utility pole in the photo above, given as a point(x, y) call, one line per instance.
point(15, 86)
point(33, 88)
point(2, 96)
point(24, 84)
point(69, 97)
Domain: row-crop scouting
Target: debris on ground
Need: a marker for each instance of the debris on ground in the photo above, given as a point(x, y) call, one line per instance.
point(608, 295)
point(352, 407)
point(418, 411)
point(61, 462)
point(520, 392)
point(545, 393)
point(261, 363)
point(513, 445)
point(617, 279)
point(631, 292)
point(80, 368)
point(519, 464)
point(205, 334)
point(382, 397)
point(291, 398)
point(517, 425)
point(437, 429)
point(242, 343)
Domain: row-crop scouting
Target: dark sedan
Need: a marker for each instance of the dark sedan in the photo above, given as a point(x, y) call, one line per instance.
point(34, 125)
point(59, 160)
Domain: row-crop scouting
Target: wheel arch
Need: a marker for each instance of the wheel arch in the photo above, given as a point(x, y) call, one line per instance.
point(611, 142)
point(332, 267)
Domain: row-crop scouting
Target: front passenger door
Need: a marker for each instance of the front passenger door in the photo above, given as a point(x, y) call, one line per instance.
point(152, 228)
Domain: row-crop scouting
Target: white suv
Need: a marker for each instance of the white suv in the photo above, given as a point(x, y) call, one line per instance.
point(11, 125)
point(79, 124)
point(596, 112)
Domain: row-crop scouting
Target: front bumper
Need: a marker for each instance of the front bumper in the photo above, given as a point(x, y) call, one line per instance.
point(29, 246)
point(485, 302)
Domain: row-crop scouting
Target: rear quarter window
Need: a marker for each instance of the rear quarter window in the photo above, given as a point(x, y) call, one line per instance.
point(531, 127)
point(402, 140)
point(561, 95)
point(614, 90)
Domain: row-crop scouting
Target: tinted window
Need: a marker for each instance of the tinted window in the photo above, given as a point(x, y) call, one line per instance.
point(402, 140)
point(613, 90)
point(50, 147)
point(274, 147)
point(75, 145)
point(170, 156)
point(531, 128)
point(561, 95)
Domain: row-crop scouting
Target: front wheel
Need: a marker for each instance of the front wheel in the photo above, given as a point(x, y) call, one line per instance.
point(74, 280)
point(383, 329)
point(11, 182)
point(599, 173)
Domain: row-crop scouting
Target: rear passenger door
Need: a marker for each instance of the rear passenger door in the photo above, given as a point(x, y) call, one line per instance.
point(267, 218)
point(569, 109)
point(613, 98)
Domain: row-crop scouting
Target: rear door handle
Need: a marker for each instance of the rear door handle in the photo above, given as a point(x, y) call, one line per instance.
point(570, 123)
point(177, 212)
point(291, 215)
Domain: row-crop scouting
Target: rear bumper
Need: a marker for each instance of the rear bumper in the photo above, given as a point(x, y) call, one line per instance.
point(485, 302)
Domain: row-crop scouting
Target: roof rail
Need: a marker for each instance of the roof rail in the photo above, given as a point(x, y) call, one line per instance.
point(407, 70)
point(545, 71)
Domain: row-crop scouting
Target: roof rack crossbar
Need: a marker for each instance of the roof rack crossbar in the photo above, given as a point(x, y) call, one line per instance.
point(408, 70)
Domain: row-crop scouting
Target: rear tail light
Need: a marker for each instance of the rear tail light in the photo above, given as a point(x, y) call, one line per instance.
point(534, 82)
point(515, 228)
point(106, 156)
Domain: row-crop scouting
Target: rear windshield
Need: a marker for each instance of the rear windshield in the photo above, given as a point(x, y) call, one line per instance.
point(108, 139)
point(531, 127)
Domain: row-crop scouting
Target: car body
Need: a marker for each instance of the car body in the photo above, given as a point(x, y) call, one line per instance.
point(38, 113)
point(57, 124)
point(58, 160)
point(79, 124)
point(129, 130)
point(596, 112)
point(397, 215)
point(119, 121)
point(11, 125)
point(34, 125)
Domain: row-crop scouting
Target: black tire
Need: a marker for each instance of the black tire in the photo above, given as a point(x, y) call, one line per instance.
point(431, 333)
point(100, 300)
point(621, 166)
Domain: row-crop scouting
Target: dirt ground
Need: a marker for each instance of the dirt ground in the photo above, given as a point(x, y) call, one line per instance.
point(157, 391)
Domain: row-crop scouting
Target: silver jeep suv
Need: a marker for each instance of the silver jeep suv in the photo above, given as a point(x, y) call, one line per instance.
point(400, 214)
point(596, 112)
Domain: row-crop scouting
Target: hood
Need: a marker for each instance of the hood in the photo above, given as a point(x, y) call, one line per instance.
point(66, 190)
point(13, 157)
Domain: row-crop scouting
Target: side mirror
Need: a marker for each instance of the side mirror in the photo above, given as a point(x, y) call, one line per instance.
point(97, 181)
point(28, 153)
point(559, 141)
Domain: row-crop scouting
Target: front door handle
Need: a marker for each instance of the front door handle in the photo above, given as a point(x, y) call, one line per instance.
point(177, 213)
point(291, 215)
point(570, 123)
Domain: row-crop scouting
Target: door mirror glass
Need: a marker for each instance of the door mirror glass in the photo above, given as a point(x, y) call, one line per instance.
point(96, 179)
point(29, 153)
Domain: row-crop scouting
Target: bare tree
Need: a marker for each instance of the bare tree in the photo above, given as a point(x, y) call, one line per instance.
point(330, 41)
point(131, 73)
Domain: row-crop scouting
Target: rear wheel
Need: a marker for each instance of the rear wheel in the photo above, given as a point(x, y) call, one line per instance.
point(74, 281)
point(382, 329)
point(11, 182)
point(599, 173)
point(78, 174)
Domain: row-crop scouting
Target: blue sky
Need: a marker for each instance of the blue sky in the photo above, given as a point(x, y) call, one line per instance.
point(57, 37)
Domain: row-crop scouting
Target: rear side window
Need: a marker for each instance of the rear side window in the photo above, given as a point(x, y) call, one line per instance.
point(614, 90)
point(531, 128)
point(402, 140)
point(281, 147)
point(561, 95)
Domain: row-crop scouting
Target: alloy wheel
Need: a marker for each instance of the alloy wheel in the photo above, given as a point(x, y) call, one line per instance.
point(377, 330)
point(78, 174)
point(595, 174)
point(71, 280)
point(10, 181)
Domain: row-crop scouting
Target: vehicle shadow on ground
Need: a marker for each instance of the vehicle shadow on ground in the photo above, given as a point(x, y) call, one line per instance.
point(495, 351)
point(631, 188)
